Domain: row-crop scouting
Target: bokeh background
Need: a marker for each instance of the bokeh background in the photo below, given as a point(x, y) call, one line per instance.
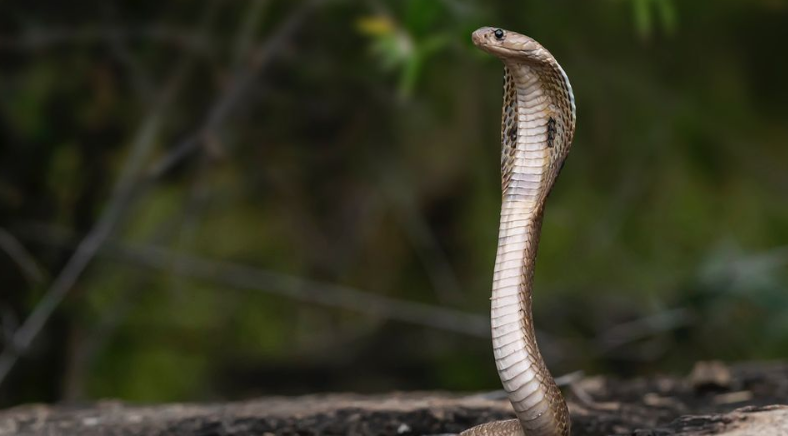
point(208, 200)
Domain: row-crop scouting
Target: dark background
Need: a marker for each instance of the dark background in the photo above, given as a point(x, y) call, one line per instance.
point(206, 200)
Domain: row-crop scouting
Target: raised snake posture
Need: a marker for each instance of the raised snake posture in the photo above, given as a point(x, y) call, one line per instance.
point(536, 133)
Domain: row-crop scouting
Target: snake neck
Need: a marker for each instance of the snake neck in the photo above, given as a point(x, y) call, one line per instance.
point(526, 180)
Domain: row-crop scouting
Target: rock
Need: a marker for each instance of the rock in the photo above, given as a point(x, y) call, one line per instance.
point(709, 376)
point(747, 421)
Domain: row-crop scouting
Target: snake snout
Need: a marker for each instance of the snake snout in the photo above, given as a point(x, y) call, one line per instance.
point(481, 36)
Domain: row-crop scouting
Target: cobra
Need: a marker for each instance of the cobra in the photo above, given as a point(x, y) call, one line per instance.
point(537, 126)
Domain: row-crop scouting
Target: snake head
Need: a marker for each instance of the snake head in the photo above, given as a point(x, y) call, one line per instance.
point(506, 44)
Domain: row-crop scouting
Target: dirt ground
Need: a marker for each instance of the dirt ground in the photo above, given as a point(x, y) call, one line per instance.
point(739, 400)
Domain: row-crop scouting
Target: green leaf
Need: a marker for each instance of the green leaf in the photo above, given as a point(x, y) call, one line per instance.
point(667, 13)
point(409, 75)
point(643, 20)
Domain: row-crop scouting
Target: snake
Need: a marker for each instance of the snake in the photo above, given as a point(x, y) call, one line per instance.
point(537, 127)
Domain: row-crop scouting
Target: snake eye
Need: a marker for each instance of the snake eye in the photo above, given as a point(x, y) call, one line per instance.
point(498, 34)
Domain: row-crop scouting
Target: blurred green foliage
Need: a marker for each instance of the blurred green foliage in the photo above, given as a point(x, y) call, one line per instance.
point(365, 153)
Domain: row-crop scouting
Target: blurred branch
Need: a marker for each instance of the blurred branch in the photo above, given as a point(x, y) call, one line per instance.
point(242, 80)
point(303, 289)
point(298, 288)
point(8, 324)
point(738, 272)
point(433, 257)
point(129, 184)
point(120, 198)
point(21, 256)
point(645, 327)
point(142, 84)
point(87, 249)
point(85, 351)
point(196, 198)
point(243, 43)
point(36, 39)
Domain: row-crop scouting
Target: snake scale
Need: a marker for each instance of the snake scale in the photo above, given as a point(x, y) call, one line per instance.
point(538, 123)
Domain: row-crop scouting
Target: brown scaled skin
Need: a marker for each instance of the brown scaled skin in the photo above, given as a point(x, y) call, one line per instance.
point(537, 126)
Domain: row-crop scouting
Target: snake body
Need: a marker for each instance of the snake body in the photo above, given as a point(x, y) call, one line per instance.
point(538, 123)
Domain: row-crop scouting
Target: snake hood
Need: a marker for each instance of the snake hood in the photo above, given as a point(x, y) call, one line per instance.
point(515, 47)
